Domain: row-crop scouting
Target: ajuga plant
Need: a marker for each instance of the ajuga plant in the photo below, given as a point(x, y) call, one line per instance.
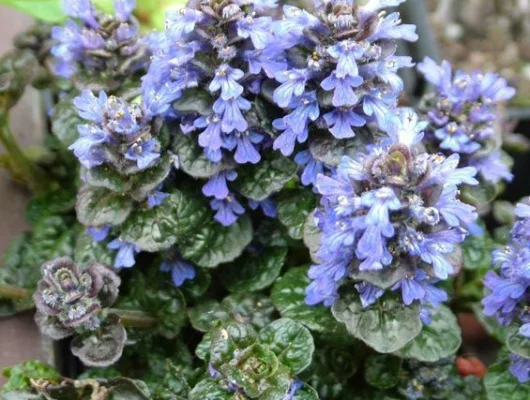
point(244, 204)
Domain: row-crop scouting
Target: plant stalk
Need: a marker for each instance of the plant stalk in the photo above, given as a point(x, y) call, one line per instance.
point(133, 318)
point(23, 168)
point(14, 292)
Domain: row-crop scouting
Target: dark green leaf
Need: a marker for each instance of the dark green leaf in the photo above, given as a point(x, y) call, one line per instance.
point(384, 279)
point(195, 100)
point(501, 384)
point(293, 208)
point(516, 342)
point(87, 250)
point(65, 119)
point(104, 176)
point(227, 339)
point(288, 296)
point(144, 182)
point(215, 244)
point(291, 342)
point(258, 182)
point(477, 252)
point(330, 150)
point(306, 393)
point(192, 159)
point(168, 306)
point(18, 68)
point(479, 195)
point(51, 203)
point(440, 339)
point(382, 370)
point(98, 206)
point(254, 272)
point(255, 309)
point(386, 326)
point(210, 389)
point(194, 289)
point(128, 389)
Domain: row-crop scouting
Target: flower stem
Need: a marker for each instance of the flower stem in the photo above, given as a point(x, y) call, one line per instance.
point(14, 292)
point(133, 318)
point(22, 167)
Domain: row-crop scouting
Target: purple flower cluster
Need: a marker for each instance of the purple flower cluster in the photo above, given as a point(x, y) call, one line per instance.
point(224, 49)
point(120, 133)
point(98, 44)
point(463, 113)
point(342, 71)
point(509, 289)
point(395, 208)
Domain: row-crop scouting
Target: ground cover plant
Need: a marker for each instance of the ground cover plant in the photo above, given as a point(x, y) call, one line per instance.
point(238, 200)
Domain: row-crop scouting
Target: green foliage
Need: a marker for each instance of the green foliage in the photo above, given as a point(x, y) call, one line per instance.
point(288, 296)
point(257, 182)
point(214, 244)
point(255, 309)
point(293, 208)
point(99, 206)
point(65, 119)
point(382, 370)
point(501, 384)
point(19, 376)
point(261, 365)
point(255, 271)
point(440, 339)
point(386, 326)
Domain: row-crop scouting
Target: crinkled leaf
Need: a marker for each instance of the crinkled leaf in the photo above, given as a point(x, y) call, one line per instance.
point(195, 100)
point(214, 244)
point(251, 369)
point(144, 182)
point(255, 309)
point(306, 392)
point(19, 376)
point(440, 339)
point(227, 339)
point(99, 206)
point(293, 208)
point(194, 289)
point(382, 370)
point(105, 176)
point(384, 279)
point(51, 203)
point(516, 342)
point(291, 342)
point(192, 159)
point(257, 182)
point(479, 195)
point(153, 229)
point(329, 150)
point(102, 347)
point(255, 271)
point(477, 252)
point(128, 389)
point(65, 119)
point(210, 389)
point(501, 384)
point(288, 296)
point(311, 236)
point(167, 305)
point(386, 326)
point(18, 68)
point(87, 250)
